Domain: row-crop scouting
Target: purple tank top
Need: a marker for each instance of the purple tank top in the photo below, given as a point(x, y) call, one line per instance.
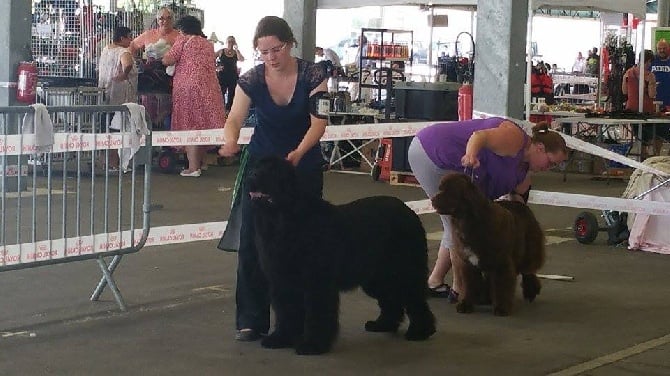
point(444, 144)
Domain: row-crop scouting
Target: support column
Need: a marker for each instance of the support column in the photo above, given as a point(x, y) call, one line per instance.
point(663, 13)
point(301, 16)
point(500, 61)
point(15, 24)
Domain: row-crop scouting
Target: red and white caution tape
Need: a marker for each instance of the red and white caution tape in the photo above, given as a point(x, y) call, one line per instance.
point(61, 248)
point(64, 142)
point(598, 202)
point(185, 233)
point(44, 250)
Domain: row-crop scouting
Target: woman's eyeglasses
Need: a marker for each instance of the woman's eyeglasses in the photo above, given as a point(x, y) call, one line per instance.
point(164, 18)
point(274, 50)
point(553, 164)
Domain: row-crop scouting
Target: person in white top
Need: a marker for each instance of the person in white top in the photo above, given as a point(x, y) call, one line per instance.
point(118, 75)
point(328, 54)
point(580, 64)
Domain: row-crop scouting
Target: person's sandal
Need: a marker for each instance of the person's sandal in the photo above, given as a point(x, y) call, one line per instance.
point(452, 297)
point(439, 291)
point(247, 335)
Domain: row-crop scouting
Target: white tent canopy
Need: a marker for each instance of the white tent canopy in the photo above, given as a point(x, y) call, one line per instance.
point(637, 7)
point(345, 4)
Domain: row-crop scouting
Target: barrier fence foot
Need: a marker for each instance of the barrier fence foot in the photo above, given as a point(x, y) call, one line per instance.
point(108, 280)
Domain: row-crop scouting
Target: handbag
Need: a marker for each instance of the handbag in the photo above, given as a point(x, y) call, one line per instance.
point(230, 241)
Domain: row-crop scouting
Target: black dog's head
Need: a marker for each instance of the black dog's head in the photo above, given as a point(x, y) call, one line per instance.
point(458, 196)
point(273, 180)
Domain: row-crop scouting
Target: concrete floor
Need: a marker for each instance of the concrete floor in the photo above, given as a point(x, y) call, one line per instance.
point(611, 320)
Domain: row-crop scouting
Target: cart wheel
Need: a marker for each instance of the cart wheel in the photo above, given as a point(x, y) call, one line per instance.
point(586, 228)
point(167, 162)
point(376, 172)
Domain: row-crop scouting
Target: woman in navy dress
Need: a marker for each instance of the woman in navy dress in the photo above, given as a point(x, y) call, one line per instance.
point(280, 89)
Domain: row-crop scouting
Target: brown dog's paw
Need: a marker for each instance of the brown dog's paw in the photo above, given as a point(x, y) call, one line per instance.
point(531, 286)
point(465, 307)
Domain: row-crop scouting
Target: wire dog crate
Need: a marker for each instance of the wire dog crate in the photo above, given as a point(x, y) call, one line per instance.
point(72, 96)
point(68, 35)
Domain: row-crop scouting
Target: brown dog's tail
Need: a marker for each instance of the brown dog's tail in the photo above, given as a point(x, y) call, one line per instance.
point(531, 286)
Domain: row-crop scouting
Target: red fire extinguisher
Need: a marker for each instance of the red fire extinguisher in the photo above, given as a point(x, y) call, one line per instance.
point(465, 102)
point(27, 82)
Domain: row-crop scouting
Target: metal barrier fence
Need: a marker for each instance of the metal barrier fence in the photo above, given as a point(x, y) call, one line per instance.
point(71, 208)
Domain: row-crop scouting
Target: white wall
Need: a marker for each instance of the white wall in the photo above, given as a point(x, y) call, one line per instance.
point(225, 18)
point(559, 39)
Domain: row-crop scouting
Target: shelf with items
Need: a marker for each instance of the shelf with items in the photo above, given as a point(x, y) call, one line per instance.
point(383, 54)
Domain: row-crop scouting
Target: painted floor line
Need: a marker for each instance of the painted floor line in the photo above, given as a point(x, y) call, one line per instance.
point(16, 334)
point(614, 357)
point(556, 277)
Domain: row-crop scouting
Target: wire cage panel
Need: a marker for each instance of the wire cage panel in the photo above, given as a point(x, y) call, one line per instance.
point(69, 35)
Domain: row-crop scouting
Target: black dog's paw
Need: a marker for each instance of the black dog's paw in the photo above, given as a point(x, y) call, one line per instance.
point(419, 332)
point(381, 326)
point(311, 348)
point(465, 307)
point(277, 341)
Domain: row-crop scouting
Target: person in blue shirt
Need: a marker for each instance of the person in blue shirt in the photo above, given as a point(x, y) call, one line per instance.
point(660, 66)
point(283, 90)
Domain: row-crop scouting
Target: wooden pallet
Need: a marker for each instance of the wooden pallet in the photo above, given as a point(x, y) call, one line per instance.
point(403, 178)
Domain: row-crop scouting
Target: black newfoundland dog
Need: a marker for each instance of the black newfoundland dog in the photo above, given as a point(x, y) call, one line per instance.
point(495, 241)
point(310, 250)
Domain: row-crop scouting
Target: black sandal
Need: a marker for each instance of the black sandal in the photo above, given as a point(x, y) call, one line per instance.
point(247, 335)
point(440, 291)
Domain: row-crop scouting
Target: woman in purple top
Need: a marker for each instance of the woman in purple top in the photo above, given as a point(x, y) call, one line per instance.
point(497, 153)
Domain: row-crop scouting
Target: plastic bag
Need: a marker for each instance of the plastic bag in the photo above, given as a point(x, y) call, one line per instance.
point(157, 50)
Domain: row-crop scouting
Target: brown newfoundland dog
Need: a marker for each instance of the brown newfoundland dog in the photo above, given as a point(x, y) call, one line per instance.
point(310, 250)
point(495, 241)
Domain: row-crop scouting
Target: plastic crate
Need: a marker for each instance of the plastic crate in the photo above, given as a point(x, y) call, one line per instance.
point(622, 149)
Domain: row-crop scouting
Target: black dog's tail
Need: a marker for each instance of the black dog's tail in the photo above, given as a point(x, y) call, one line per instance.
point(531, 286)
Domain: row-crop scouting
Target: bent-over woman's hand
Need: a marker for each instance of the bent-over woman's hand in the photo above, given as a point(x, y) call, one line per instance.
point(470, 161)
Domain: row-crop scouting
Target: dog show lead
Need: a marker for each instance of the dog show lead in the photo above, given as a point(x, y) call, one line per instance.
point(496, 153)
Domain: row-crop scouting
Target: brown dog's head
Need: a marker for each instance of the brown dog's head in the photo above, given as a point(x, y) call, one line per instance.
point(459, 196)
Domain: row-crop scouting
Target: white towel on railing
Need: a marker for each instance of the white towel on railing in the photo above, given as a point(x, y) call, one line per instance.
point(135, 123)
point(40, 124)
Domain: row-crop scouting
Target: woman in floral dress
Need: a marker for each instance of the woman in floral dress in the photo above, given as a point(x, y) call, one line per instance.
point(197, 103)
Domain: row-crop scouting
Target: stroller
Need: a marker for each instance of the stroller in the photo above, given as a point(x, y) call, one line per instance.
point(642, 231)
